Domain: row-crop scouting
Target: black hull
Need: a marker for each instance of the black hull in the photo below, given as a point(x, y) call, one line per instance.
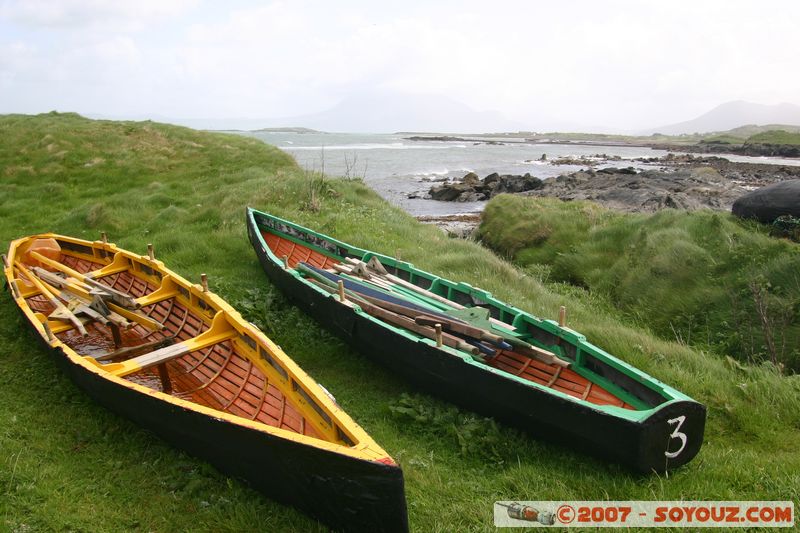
point(344, 493)
point(638, 445)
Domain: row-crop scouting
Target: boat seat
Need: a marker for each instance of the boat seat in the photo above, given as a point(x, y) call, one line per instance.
point(220, 331)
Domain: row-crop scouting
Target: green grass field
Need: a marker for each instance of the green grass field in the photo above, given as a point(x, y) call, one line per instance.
point(775, 137)
point(69, 465)
point(703, 278)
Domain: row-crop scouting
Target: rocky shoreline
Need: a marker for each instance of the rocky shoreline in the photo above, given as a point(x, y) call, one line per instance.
point(678, 181)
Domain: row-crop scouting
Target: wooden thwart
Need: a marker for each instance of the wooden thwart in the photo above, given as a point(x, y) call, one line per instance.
point(219, 331)
point(133, 351)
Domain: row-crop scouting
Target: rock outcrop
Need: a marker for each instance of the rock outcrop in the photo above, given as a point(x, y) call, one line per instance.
point(768, 203)
point(646, 191)
point(473, 189)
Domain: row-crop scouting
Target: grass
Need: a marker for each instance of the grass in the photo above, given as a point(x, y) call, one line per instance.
point(776, 137)
point(67, 464)
point(703, 278)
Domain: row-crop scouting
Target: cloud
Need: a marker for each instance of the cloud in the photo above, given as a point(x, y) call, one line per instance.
point(619, 63)
point(110, 15)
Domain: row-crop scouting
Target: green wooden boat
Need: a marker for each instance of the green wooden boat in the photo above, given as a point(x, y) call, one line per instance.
point(531, 373)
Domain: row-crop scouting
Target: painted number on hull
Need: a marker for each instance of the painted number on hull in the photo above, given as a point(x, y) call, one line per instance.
point(678, 421)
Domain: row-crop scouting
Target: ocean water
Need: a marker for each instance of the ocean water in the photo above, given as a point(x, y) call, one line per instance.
point(396, 167)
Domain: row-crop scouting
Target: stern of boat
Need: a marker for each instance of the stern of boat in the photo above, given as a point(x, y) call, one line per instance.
point(671, 436)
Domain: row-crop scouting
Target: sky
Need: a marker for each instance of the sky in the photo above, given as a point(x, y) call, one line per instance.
point(566, 64)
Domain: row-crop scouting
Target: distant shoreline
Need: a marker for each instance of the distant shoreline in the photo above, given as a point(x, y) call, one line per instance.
point(790, 151)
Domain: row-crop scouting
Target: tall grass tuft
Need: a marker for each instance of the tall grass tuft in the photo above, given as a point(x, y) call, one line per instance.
point(703, 278)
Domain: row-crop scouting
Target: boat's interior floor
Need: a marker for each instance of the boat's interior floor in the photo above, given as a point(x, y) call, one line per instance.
point(217, 377)
point(564, 380)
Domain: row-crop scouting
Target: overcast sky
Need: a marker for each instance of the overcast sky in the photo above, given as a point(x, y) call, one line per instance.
point(621, 65)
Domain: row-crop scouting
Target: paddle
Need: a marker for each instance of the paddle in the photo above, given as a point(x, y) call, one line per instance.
point(96, 298)
point(60, 309)
point(394, 318)
point(479, 317)
point(121, 298)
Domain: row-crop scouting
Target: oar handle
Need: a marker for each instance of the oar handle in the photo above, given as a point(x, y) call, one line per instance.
point(47, 293)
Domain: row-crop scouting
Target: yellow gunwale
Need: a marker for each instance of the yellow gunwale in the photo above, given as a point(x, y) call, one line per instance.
point(112, 257)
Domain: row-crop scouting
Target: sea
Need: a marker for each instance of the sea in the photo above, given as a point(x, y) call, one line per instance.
point(397, 167)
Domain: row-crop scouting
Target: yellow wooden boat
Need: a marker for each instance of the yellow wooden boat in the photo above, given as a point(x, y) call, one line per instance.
point(178, 360)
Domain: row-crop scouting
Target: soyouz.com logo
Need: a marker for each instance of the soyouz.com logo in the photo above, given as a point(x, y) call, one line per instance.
point(644, 514)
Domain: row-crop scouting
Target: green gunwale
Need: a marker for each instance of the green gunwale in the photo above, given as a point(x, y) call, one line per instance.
point(509, 314)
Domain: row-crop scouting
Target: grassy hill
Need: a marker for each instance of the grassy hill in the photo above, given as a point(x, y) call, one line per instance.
point(703, 278)
point(775, 137)
point(736, 137)
point(68, 464)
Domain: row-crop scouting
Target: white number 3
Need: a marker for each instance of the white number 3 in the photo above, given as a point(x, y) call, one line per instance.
point(677, 435)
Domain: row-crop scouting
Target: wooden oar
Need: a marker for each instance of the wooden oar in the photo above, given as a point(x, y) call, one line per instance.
point(116, 313)
point(379, 271)
point(407, 309)
point(457, 326)
point(89, 304)
point(395, 319)
point(479, 317)
point(359, 286)
point(71, 284)
point(119, 297)
point(63, 312)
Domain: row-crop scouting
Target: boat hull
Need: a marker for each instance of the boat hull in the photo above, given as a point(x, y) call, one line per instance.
point(639, 445)
point(352, 486)
point(344, 493)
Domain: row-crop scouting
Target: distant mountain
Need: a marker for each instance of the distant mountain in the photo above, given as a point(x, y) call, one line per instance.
point(373, 111)
point(732, 115)
point(288, 129)
point(388, 112)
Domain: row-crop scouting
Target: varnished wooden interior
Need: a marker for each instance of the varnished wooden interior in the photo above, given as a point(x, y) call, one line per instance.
point(218, 377)
point(552, 376)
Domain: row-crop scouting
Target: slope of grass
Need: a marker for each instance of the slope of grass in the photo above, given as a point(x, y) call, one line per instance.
point(67, 464)
point(705, 278)
point(776, 137)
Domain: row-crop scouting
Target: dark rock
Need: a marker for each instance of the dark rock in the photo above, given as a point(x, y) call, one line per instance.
point(448, 192)
point(472, 189)
point(512, 184)
point(471, 179)
point(471, 196)
point(614, 170)
point(768, 203)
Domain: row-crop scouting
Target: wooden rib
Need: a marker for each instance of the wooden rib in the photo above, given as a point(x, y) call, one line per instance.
point(555, 376)
point(586, 392)
point(218, 373)
point(263, 397)
point(282, 412)
point(183, 324)
point(524, 367)
point(241, 387)
point(308, 254)
point(167, 314)
point(208, 351)
point(133, 280)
